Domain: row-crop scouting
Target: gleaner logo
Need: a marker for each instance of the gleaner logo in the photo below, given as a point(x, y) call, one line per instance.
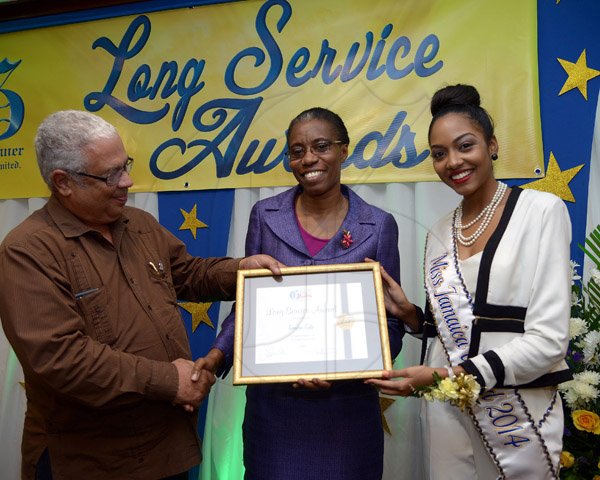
point(12, 109)
point(299, 294)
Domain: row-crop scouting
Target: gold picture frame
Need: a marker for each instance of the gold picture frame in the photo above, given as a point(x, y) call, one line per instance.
point(321, 321)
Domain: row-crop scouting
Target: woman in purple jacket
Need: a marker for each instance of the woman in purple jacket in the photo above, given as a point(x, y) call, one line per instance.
point(315, 429)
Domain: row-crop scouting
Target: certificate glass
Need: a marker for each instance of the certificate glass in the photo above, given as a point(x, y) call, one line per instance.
point(325, 322)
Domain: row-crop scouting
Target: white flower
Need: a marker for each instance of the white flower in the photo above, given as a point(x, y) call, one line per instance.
point(570, 399)
point(569, 393)
point(577, 393)
point(574, 276)
point(585, 391)
point(595, 274)
point(589, 345)
point(577, 326)
point(588, 376)
point(575, 299)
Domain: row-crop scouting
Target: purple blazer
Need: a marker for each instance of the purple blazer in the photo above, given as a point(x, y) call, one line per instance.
point(298, 434)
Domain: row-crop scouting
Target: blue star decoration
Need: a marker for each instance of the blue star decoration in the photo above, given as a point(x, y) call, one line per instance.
point(199, 312)
point(190, 221)
point(578, 74)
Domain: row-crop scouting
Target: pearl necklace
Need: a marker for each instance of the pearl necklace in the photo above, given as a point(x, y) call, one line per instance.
point(487, 213)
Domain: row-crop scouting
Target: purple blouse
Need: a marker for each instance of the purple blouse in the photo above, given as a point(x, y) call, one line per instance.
point(313, 244)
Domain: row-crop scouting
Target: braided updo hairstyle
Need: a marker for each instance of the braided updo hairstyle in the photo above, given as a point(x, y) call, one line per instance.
point(463, 99)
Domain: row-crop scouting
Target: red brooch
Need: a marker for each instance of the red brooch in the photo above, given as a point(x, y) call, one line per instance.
point(347, 239)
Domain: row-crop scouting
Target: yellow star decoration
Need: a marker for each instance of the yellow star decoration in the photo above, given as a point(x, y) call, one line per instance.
point(384, 404)
point(190, 222)
point(555, 181)
point(578, 74)
point(199, 313)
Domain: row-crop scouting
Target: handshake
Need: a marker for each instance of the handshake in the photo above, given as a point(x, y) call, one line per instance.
point(196, 379)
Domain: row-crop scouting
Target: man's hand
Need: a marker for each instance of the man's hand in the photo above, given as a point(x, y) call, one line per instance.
point(191, 393)
point(261, 261)
point(211, 363)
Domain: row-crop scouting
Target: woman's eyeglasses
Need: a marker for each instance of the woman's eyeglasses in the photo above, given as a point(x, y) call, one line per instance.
point(297, 152)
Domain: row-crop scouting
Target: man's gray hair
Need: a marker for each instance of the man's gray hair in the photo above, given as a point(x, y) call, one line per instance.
point(62, 138)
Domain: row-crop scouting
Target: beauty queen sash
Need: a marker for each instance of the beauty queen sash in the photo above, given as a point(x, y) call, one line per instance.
point(508, 431)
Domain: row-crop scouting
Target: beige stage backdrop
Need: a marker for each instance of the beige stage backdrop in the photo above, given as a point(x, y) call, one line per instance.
point(203, 95)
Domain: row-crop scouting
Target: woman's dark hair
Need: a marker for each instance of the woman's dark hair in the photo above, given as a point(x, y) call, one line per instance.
point(318, 113)
point(461, 99)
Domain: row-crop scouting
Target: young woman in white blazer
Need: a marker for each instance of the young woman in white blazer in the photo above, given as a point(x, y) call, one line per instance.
point(497, 277)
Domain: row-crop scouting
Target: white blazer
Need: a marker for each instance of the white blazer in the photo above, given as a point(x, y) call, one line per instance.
point(523, 296)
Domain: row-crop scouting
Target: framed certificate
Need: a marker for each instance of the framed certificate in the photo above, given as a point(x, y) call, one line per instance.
point(326, 322)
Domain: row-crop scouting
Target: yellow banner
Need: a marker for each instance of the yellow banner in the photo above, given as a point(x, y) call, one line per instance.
point(202, 96)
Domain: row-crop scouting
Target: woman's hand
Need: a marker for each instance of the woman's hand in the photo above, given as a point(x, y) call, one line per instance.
point(314, 384)
point(394, 297)
point(211, 362)
point(396, 302)
point(411, 378)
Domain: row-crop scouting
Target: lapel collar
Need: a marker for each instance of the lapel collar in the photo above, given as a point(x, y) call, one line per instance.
point(280, 217)
point(359, 222)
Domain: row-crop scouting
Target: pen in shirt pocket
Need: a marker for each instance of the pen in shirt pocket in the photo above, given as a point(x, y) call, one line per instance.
point(85, 293)
point(157, 268)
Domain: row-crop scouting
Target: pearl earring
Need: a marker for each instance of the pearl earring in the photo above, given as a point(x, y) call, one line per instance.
point(494, 156)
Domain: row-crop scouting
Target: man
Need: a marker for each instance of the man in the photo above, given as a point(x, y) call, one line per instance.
point(89, 304)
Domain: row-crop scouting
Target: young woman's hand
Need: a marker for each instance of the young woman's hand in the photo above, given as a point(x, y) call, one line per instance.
point(404, 382)
point(396, 302)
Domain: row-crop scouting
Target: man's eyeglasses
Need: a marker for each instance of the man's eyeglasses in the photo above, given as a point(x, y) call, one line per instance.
point(113, 177)
point(297, 152)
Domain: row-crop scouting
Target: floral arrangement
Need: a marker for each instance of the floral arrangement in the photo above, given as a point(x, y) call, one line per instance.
point(461, 391)
point(580, 458)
